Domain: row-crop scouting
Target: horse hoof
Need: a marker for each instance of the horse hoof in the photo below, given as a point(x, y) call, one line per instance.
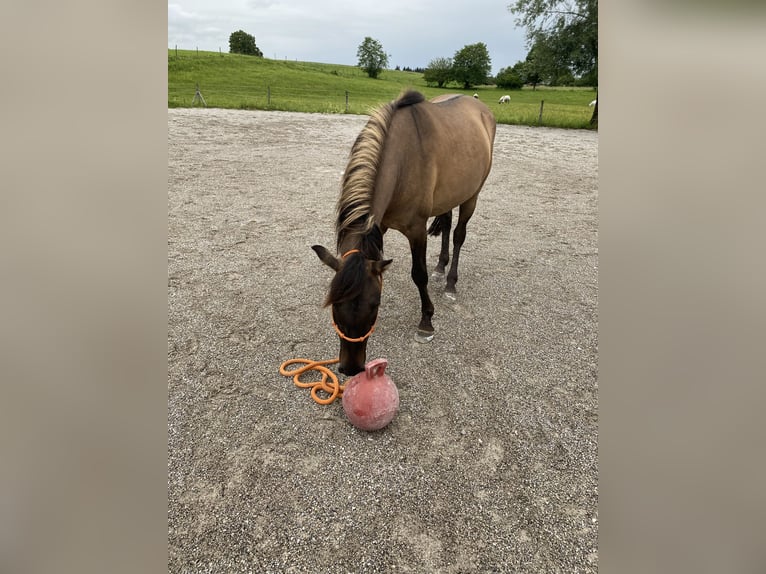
point(424, 336)
point(451, 296)
point(438, 274)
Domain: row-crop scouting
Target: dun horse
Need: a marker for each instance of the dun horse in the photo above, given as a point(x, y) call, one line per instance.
point(413, 160)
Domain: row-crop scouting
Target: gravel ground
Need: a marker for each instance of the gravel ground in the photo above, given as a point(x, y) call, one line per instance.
point(491, 464)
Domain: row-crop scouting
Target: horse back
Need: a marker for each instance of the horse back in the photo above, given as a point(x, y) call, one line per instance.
point(437, 155)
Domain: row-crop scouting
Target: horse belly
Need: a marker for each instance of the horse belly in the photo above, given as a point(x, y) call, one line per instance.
point(455, 185)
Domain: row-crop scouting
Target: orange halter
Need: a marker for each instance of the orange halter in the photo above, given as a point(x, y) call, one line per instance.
point(335, 326)
point(349, 339)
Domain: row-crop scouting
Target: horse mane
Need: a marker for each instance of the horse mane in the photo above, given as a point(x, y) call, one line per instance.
point(354, 217)
point(354, 207)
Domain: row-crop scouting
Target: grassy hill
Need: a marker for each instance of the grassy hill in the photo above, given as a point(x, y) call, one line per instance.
point(246, 82)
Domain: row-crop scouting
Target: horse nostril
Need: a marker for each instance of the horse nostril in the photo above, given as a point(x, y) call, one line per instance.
point(350, 371)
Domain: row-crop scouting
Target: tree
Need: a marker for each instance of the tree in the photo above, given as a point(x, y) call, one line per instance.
point(547, 63)
point(471, 65)
point(439, 72)
point(241, 42)
point(539, 66)
point(509, 78)
point(372, 58)
point(568, 29)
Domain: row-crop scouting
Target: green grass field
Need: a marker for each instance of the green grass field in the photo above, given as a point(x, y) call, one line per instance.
point(246, 82)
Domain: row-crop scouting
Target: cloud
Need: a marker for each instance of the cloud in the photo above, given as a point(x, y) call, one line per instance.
point(413, 33)
point(176, 12)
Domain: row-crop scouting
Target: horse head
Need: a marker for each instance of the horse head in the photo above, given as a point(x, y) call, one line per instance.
point(355, 298)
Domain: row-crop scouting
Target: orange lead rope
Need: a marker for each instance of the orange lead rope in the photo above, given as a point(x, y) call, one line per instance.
point(329, 382)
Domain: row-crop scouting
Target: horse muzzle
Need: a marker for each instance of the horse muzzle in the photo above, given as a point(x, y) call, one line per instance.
point(352, 357)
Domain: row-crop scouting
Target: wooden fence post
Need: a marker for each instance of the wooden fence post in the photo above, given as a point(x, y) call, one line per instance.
point(346, 101)
point(268, 96)
point(198, 97)
point(540, 117)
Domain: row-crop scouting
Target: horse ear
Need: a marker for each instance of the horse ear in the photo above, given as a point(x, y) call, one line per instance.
point(380, 266)
point(326, 257)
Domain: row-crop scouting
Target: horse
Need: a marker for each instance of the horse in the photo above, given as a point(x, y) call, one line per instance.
point(413, 160)
point(504, 99)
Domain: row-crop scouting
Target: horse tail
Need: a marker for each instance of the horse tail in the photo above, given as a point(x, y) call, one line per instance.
point(354, 207)
point(438, 224)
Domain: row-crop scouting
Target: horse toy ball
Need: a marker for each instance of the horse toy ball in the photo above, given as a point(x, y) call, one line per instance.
point(371, 399)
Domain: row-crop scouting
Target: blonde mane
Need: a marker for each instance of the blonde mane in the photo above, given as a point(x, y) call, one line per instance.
point(354, 208)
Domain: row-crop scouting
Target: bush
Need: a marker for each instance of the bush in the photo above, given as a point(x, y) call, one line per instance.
point(590, 79)
point(507, 78)
point(565, 79)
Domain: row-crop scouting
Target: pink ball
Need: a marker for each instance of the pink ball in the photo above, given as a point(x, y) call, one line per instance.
point(371, 399)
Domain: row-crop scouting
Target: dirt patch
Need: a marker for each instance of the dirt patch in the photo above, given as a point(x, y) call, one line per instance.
point(491, 463)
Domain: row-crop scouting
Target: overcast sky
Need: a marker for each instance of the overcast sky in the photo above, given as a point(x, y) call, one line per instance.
point(412, 32)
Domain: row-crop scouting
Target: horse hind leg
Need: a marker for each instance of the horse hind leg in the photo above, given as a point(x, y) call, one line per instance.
point(466, 211)
point(441, 225)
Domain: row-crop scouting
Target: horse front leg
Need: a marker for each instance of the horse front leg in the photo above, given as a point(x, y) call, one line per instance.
point(420, 278)
point(466, 211)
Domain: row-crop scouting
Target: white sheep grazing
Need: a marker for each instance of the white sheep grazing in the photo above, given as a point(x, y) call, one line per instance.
point(593, 103)
point(504, 100)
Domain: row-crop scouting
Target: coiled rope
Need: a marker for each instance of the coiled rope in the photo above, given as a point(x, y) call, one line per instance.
point(328, 383)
